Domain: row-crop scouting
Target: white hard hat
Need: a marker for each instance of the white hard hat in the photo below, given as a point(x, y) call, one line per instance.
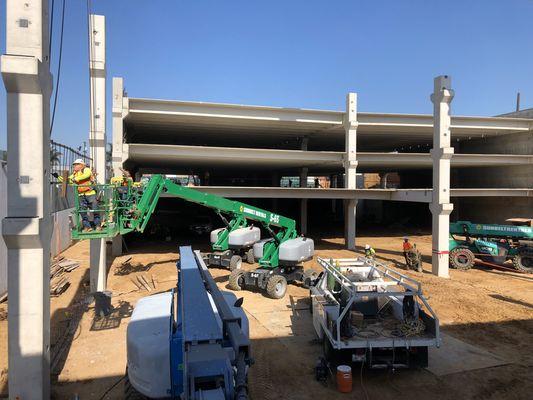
point(78, 161)
point(367, 246)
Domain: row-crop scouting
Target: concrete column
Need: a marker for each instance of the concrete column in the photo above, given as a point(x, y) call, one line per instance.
point(350, 167)
point(118, 137)
point(441, 154)
point(333, 184)
point(275, 183)
point(27, 227)
point(97, 137)
point(303, 183)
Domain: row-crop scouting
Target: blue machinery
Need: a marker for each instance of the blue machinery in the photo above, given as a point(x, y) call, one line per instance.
point(191, 343)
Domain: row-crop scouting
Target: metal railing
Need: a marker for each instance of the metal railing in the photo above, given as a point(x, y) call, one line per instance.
point(62, 157)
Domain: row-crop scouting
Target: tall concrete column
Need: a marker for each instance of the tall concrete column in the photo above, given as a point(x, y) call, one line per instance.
point(97, 137)
point(27, 227)
point(441, 154)
point(303, 183)
point(118, 137)
point(350, 168)
point(275, 183)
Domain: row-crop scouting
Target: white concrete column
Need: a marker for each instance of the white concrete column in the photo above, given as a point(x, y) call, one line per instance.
point(97, 137)
point(118, 136)
point(441, 154)
point(350, 168)
point(303, 183)
point(275, 183)
point(118, 126)
point(27, 227)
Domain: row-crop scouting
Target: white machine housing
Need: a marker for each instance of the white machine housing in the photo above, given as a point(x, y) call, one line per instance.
point(239, 238)
point(292, 251)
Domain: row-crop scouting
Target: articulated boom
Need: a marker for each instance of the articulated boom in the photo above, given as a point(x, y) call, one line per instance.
point(127, 208)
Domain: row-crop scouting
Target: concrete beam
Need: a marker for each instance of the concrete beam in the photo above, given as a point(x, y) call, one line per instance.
point(27, 227)
point(315, 161)
point(315, 122)
point(409, 195)
point(97, 137)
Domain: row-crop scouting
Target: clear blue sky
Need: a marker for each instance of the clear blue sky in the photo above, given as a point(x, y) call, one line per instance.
point(299, 54)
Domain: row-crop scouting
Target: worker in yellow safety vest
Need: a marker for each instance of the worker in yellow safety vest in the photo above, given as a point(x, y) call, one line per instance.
point(369, 252)
point(83, 177)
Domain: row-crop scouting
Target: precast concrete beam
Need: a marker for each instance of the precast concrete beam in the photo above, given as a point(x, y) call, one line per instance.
point(216, 117)
point(315, 161)
point(27, 227)
point(406, 195)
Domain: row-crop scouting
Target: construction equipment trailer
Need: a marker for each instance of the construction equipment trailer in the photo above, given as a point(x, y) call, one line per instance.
point(366, 312)
point(491, 243)
point(191, 343)
point(128, 208)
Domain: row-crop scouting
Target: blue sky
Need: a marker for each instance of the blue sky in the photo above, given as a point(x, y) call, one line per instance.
point(298, 53)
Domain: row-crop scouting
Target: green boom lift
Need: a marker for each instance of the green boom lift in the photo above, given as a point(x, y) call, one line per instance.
point(128, 208)
point(491, 243)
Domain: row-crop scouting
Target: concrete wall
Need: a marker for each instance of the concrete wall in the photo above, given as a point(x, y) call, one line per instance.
point(3, 213)
point(496, 210)
point(61, 231)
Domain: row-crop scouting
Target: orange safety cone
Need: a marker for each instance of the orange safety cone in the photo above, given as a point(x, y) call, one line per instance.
point(344, 378)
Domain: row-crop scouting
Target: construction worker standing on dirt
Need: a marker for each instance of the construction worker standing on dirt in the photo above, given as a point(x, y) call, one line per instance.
point(407, 248)
point(369, 251)
point(83, 177)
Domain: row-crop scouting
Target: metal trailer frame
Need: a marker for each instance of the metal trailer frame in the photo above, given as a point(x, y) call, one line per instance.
point(377, 271)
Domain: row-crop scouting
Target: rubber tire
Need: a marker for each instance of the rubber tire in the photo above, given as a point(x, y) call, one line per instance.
point(235, 282)
point(518, 261)
point(235, 262)
point(465, 252)
point(250, 256)
point(308, 276)
point(129, 391)
point(272, 286)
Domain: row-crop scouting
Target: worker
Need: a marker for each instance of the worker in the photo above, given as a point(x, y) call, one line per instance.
point(84, 178)
point(369, 251)
point(407, 248)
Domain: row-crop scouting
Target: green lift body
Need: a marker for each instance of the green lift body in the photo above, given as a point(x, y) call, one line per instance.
point(128, 208)
point(491, 243)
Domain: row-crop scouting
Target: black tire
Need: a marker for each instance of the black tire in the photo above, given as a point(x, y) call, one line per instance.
point(461, 258)
point(129, 391)
point(236, 280)
point(250, 256)
point(276, 286)
point(235, 262)
point(308, 278)
point(523, 261)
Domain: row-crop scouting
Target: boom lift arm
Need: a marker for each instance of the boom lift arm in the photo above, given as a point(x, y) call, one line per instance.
point(128, 209)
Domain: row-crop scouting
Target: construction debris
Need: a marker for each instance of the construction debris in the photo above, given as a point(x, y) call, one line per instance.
point(59, 282)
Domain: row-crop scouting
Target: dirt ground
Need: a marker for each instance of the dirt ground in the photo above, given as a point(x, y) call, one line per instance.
point(489, 308)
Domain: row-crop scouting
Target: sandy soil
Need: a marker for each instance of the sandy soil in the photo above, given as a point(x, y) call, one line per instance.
point(489, 308)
